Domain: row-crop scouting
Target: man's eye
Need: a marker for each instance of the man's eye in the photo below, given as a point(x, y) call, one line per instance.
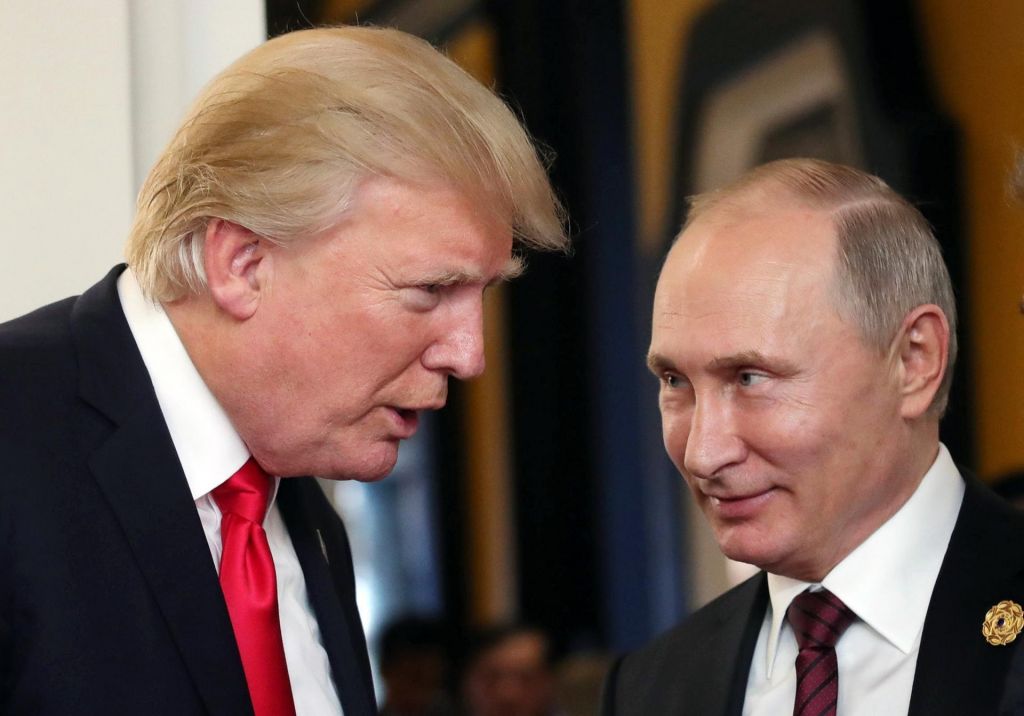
point(671, 380)
point(748, 378)
point(422, 297)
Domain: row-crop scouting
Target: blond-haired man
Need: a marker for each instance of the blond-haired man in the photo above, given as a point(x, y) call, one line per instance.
point(803, 333)
point(305, 273)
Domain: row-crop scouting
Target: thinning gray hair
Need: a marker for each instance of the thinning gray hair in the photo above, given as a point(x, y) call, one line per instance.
point(889, 261)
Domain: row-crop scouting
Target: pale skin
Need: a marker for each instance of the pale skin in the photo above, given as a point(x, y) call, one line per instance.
point(796, 438)
point(324, 352)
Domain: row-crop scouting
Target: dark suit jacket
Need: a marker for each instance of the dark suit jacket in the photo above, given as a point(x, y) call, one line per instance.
point(109, 600)
point(701, 667)
point(1013, 697)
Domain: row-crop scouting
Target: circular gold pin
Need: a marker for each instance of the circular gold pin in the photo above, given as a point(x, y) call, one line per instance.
point(1003, 623)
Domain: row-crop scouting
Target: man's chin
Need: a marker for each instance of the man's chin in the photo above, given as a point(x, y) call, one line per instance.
point(744, 548)
point(368, 462)
point(371, 469)
point(358, 476)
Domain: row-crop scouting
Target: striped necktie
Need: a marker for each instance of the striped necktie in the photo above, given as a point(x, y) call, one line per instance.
point(818, 620)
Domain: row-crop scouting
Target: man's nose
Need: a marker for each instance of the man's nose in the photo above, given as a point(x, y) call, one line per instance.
point(713, 441)
point(459, 350)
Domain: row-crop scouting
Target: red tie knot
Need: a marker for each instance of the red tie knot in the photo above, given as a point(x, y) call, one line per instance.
point(818, 619)
point(245, 493)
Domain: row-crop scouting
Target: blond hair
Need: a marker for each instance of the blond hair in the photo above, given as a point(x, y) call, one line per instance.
point(279, 141)
point(889, 261)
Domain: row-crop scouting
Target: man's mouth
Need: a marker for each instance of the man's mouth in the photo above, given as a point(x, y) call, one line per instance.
point(406, 422)
point(406, 419)
point(739, 506)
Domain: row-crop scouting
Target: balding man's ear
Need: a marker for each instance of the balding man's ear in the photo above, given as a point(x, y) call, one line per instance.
point(232, 259)
point(922, 358)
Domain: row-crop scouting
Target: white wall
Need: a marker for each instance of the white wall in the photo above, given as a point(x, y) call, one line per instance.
point(89, 94)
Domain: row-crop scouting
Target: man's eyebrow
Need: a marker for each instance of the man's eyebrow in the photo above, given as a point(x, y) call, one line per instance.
point(658, 363)
point(737, 360)
point(751, 359)
point(456, 277)
point(513, 269)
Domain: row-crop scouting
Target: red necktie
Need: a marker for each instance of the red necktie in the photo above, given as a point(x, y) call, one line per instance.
point(818, 620)
point(250, 588)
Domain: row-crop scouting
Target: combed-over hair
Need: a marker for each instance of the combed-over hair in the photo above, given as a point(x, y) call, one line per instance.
point(280, 140)
point(889, 261)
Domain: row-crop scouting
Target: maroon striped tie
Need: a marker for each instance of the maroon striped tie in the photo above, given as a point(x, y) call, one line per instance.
point(818, 619)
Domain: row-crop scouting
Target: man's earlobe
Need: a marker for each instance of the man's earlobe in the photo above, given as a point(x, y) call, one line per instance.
point(923, 358)
point(232, 258)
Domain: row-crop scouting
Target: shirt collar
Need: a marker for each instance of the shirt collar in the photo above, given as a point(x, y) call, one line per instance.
point(208, 447)
point(906, 550)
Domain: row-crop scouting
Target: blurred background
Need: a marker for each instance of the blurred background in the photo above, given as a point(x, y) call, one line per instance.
point(542, 494)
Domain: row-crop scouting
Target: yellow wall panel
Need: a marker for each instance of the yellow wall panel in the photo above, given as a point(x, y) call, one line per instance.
point(657, 41)
point(976, 52)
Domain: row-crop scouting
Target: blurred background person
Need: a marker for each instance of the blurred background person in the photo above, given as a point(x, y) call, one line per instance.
point(507, 671)
point(415, 667)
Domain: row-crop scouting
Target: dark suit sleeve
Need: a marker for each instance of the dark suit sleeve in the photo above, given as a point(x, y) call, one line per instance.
point(109, 602)
point(983, 565)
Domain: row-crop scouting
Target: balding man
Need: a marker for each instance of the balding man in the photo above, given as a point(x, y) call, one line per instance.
point(803, 336)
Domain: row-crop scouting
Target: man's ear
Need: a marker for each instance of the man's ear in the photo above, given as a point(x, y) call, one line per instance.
point(233, 259)
point(923, 355)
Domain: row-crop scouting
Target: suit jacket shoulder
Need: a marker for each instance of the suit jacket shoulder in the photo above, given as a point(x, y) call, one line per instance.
point(37, 369)
point(106, 582)
point(700, 667)
point(109, 601)
point(958, 671)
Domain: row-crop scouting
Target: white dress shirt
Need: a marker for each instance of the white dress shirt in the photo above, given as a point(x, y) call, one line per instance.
point(887, 581)
point(210, 451)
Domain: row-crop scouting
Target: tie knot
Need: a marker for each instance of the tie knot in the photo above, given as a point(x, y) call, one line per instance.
point(818, 619)
point(245, 493)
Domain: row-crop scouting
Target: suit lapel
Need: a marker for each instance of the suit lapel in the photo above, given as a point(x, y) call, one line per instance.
point(730, 642)
point(334, 606)
point(138, 471)
point(746, 641)
point(958, 672)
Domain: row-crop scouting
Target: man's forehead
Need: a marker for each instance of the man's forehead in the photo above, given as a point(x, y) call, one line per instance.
point(729, 286)
point(784, 234)
point(756, 254)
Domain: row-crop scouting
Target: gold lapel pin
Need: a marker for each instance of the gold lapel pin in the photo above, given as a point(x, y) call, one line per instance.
point(1003, 623)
